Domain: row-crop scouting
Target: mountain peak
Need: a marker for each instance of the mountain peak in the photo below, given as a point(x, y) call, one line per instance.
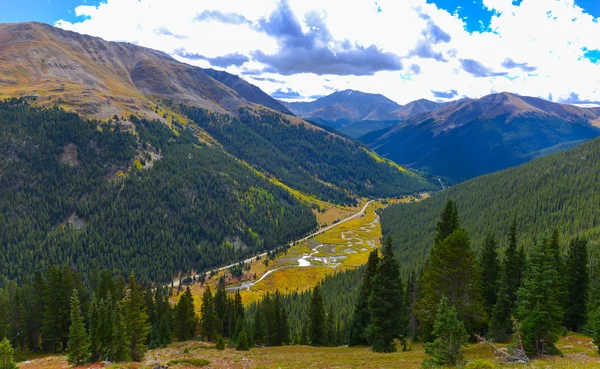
point(99, 79)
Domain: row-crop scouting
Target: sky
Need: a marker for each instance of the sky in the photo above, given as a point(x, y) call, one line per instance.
point(404, 49)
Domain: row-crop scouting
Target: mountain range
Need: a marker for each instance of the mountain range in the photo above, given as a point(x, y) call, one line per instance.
point(356, 113)
point(100, 79)
point(183, 168)
point(479, 136)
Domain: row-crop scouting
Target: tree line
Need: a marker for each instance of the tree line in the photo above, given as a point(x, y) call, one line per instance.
point(113, 319)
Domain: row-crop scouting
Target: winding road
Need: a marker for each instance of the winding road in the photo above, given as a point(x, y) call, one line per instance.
point(249, 260)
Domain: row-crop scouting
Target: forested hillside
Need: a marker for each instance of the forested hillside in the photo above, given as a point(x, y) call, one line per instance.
point(311, 160)
point(70, 194)
point(554, 192)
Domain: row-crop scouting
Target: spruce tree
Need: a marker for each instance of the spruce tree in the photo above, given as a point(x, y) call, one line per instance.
point(330, 328)
point(136, 319)
point(185, 317)
point(450, 337)
point(594, 324)
point(489, 266)
point(513, 265)
point(242, 341)
point(6, 355)
point(317, 318)
point(208, 324)
point(361, 317)
point(452, 271)
point(448, 223)
point(578, 280)
point(540, 312)
point(78, 350)
point(92, 324)
point(386, 305)
point(120, 345)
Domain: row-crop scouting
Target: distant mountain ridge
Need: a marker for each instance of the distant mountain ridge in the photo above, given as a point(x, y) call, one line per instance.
point(343, 107)
point(99, 79)
point(479, 136)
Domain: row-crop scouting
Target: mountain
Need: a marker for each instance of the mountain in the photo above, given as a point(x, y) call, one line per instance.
point(554, 192)
point(246, 90)
point(195, 176)
point(343, 107)
point(100, 79)
point(475, 137)
point(417, 107)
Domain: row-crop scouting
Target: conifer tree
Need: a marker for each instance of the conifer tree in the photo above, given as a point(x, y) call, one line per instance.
point(561, 284)
point(208, 324)
point(490, 272)
point(92, 324)
point(410, 301)
point(185, 317)
point(500, 325)
point(136, 319)
point(386, 304)
point(120, 345)
point(317, 318)
point(594, 324)
point(242, 341)
point(6, 355)
point(578, 280)
point(78, 352)
point(449, 222)
point(452, 271)
point(539, 312)
point(361, 317)
point(259, 326)
point(450, 336)
point(331, 333)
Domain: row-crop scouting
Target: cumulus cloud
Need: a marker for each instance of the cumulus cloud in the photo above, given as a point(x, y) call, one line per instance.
point(286, 93)
point(444, 94)
point(477, 69)
point(315, 51)
point(224, 61)
point(508, 63)
point(364, 45)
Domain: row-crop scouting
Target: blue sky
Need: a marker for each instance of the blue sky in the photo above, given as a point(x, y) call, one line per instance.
point(47, 11)
point(404, 49)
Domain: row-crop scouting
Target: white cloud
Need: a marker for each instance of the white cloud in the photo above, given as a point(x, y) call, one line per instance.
point(548, 35)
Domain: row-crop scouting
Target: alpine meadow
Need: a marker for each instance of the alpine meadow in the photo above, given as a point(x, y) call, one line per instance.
point(299, 184)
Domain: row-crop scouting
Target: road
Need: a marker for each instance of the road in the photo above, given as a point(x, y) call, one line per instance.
point(247, 261)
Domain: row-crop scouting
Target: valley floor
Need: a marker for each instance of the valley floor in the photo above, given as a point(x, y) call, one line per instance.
point(578, 354)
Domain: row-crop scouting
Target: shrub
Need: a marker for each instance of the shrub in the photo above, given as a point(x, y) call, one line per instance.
point(186, 350)
point(220, 343)
point(190, 362)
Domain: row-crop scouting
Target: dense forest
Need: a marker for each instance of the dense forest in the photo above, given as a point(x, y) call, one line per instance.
point(310, 160)
point(526, 300)
point(554, 192)
point(71, 194)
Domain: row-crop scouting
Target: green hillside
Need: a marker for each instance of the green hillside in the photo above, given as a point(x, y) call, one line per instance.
point(553, 192)
point(65, 198)
point(311, 160)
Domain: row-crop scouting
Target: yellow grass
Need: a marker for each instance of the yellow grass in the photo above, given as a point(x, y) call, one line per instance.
point(580, 356)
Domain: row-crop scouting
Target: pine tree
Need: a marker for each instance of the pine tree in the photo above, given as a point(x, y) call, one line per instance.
point(386, 304)
point(578, 280)
point(259, 326)
point(450, 336)
point(561, 284)
point(539, 312)
point(208, 324)
point(361, 317)
point(449, 222)
point(92, 324)
point(452, 271)
point(490, 272)
point(6, 355)
point(120, 345)
point(500, 325)
point(185, 317)
point(242, 341)
point(410, 301)
point(78, 347)
point(317, 318)
point(136, 319)
point(331, 333)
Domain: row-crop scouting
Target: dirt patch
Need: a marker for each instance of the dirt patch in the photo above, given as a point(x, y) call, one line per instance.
point(69, 155)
